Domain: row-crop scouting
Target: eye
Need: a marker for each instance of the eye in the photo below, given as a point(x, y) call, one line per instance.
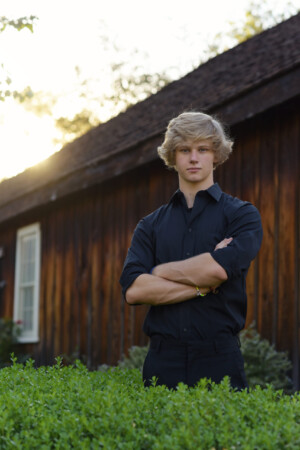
point(203, 149)
point(184, 150)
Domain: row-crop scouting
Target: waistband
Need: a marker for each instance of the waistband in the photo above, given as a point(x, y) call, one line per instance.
point(219, 345)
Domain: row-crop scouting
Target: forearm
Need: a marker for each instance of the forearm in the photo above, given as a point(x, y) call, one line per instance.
point(153, 290)
point(201, 270)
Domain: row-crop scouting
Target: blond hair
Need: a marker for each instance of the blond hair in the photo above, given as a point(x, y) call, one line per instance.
point(195, 126)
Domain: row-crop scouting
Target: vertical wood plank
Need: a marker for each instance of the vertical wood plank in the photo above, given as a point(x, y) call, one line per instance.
point(296, 344)
point(266, 310)
point(287, 227)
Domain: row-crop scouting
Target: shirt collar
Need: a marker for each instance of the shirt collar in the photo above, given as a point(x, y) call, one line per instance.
point(214, 191)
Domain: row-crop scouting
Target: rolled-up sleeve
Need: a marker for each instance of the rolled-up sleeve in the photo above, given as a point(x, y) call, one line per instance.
point(140, 256)
point(246, 230)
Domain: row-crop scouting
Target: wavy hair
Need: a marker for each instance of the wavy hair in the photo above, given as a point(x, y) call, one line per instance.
point(195, 126)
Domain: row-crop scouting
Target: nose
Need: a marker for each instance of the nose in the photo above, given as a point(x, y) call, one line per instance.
point(194, 155)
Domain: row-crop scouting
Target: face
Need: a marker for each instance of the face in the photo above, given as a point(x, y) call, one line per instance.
point(194, 163)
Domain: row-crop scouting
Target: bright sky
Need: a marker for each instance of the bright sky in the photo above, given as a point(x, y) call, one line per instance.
point(166, 34)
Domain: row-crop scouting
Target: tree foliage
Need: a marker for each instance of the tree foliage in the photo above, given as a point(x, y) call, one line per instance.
point(74, 127)
point(131, 83)
point(259, 16)
point(130, 88)
point(5, 80)
point(18, 24)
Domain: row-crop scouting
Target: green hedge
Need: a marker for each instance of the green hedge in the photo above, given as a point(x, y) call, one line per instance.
point(265, 365)
point(70, 407)
point(9, 332)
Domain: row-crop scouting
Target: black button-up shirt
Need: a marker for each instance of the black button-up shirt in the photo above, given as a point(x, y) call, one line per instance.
point(174, 232)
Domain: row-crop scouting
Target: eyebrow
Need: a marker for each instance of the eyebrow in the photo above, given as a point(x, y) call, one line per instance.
point(206, 146)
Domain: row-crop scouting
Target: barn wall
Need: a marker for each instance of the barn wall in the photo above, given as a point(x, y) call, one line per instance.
point(265, 170)
point(85, 240)
point(84, 244)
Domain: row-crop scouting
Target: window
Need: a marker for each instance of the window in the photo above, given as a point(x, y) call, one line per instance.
point(27, 282)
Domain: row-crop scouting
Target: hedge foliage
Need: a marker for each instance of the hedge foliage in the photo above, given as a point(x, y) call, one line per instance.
point(263, 363)
point(9, 333)
point(69, 407)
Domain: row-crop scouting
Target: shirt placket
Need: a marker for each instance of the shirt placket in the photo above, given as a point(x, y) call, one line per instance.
point(188, 250)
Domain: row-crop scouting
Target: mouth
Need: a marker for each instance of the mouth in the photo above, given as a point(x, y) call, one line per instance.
point(194, 169)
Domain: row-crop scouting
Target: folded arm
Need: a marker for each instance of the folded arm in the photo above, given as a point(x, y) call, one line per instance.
point(175, 282)
point(201, 270)
point(153, 290)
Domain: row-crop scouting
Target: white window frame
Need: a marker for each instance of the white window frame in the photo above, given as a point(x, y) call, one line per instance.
point(33, 335)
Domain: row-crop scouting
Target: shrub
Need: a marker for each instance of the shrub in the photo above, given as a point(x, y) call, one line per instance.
point(135, 358)
point(70, 407)
point(263, 364)
point(9, 332)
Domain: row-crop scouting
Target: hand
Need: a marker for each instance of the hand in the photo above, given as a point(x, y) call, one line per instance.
point(154, 271)
point(223, 243)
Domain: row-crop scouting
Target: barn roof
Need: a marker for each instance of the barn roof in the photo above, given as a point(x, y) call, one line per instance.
point(238, 84)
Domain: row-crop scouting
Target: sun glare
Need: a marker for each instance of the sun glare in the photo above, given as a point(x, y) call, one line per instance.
point(25, 139)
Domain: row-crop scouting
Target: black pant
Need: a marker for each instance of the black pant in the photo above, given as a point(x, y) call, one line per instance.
point(172, 362)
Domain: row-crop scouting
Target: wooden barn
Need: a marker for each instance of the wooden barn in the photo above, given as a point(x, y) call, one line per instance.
point(66, 224)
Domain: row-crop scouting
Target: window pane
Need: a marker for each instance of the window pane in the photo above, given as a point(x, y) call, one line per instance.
point(27, 297)
point(31, 248)
point(27, 259)
point(30, 271)
point(27, 321)
point(27, 308)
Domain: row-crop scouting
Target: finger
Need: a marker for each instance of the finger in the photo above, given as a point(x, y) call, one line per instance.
point(223, 243)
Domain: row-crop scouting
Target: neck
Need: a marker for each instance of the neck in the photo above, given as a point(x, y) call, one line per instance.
point(190, 191)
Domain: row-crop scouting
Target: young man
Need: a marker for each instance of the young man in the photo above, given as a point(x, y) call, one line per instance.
point(189, 261)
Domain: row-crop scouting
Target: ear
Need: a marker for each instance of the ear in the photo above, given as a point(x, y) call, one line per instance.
point(216, 159)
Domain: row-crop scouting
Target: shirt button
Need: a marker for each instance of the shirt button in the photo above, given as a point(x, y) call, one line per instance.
point(190, 230)
point(184, 329)
point(187, 253)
